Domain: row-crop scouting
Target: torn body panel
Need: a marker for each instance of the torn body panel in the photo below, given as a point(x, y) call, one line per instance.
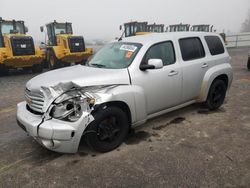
point(56, 135)
point(67, 111)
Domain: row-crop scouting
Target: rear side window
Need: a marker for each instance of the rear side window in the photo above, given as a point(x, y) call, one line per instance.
point(163, 51)
point(191, 48)
point(215, 45)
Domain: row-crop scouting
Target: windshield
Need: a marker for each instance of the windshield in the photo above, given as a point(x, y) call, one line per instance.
point(116, 55)
point(60, 28)
point(8, 27)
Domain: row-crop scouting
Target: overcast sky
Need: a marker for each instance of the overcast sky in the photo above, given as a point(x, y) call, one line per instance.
point(101, 18)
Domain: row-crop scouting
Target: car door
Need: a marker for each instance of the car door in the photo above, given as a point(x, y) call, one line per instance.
point(194, 66)
point(163, 86)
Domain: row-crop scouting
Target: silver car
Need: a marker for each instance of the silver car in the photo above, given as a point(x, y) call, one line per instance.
point(125, 84)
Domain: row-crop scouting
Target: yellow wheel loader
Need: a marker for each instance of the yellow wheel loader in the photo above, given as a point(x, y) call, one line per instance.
point(62, 47)
point(178, 27)
point(17, 50)
point(140, 28)
point(157, 28)
point(202, 28)
point(207, 28)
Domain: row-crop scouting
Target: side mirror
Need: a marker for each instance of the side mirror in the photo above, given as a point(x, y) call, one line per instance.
point(41, 28)
point(157, 63)
point(120, 27)
point(26, 30)
point(152, 64)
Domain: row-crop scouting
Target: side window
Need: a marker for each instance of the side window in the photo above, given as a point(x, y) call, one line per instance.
point(163, 51)
point(215, 45)
point(191, 48)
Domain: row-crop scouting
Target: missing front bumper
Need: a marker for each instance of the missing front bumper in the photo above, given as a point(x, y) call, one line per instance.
point(55, 135)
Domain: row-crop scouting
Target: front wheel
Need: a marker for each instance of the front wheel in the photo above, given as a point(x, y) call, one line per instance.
point(108, 130)
point(248, 63)
point(216, 95)
point(54, 63)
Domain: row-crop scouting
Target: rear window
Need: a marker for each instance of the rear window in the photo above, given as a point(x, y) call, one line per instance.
point(215, 45)
point(191, 48)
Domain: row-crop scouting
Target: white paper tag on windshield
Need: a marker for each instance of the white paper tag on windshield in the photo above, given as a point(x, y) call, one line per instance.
point(127, 47)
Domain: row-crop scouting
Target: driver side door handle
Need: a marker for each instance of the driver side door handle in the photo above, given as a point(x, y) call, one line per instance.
point(172, 73)
point(204, 65)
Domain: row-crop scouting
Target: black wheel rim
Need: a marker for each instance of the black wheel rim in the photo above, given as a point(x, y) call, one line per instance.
point(108, 129)
point(218, 94)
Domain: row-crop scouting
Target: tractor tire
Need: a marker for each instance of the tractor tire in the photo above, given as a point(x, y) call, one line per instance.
point(4, 71)
point(38, 68)
point(54, 63)
point(83, 62)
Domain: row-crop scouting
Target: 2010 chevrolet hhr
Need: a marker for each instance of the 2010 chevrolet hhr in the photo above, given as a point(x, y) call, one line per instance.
point(126, 83)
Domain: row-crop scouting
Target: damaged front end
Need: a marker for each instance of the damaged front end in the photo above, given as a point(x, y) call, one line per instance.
point(66, 112)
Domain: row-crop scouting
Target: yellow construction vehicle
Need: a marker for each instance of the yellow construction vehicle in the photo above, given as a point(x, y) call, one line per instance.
point(17, 50)
point(140, 28)
point(178, 27)
point(62, 47)
point(134, 28)
point(207, 28)
point(157, 28)
point(202, 28)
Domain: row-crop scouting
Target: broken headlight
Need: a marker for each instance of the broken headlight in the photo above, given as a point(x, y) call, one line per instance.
point(70, 106)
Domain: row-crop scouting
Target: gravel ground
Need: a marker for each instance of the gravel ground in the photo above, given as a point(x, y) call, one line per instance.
point(191, 147)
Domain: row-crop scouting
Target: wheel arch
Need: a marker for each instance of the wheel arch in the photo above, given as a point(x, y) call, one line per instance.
point(223, 72)
point(119, 104)
point(128, 97)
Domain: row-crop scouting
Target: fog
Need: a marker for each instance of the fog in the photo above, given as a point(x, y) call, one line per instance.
point(96, 19)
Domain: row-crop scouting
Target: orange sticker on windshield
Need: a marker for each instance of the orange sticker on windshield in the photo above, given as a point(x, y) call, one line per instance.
point(129, 54)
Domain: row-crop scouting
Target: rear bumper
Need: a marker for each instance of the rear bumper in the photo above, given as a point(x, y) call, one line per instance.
point(55, 135)
point(22, 61)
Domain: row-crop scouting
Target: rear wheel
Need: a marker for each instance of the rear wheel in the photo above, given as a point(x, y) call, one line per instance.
point(216, 95)
point(248, 63)
point(108, 130)
point(83, 62)
point(67, 64)
point(4, 71)
point(38, 68)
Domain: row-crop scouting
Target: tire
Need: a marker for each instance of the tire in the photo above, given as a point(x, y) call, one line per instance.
point(54, 63)
point(248, 64)
point(108, 130)
point(38, 68)
point(83, 62)
point(67, 64)
point(27, 69)
point(4, 71)
point(216, 95)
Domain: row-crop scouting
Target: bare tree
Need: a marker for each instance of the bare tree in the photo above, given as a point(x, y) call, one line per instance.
point(245, 27)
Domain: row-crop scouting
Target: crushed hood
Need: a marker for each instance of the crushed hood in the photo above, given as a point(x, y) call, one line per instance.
point(54, 83)
point(78, 76)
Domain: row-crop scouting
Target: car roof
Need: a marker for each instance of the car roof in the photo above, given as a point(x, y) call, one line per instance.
point(157, 37)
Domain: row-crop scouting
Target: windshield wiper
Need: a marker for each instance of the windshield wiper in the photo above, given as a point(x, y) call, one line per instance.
point(97, 65)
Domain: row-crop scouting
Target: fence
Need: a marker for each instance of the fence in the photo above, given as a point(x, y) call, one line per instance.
point(238, 40)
